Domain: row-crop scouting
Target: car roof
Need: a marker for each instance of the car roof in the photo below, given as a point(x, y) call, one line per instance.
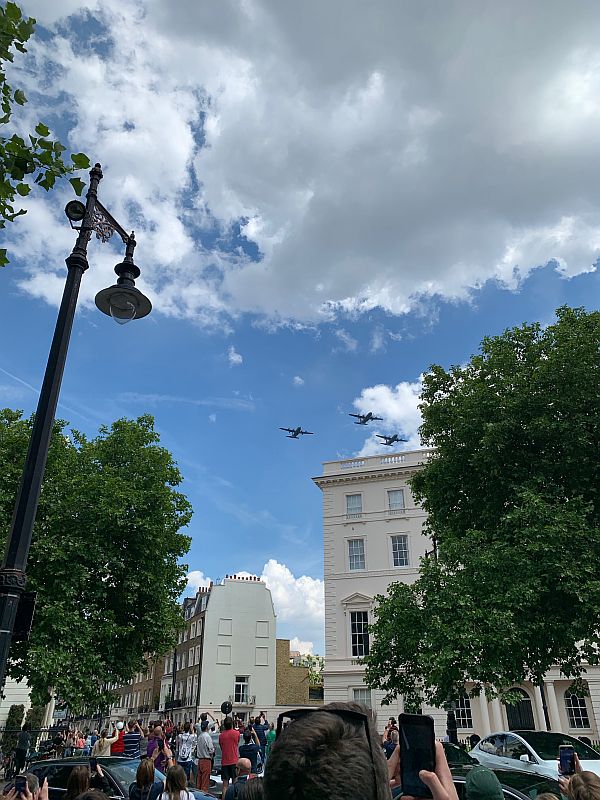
point(108, 760)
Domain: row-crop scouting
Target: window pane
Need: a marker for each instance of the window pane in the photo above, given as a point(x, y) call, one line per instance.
point(577, 711)
point(359, 633)
point(462, 713)
point(396, 499)
point(354, 505)
point(356, 554)
point(362, 696)
point(400, 550)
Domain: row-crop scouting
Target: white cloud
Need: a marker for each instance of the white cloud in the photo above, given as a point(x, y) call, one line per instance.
point(278, 112)
point(196, 580)
point(212, 417)
point(304, 648)
point(399, 408)
point(349, 342)
point(235, 359)
point(299, 601)
point(298, 381)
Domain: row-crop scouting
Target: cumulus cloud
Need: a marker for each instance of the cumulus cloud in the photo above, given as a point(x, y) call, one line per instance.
point(398, 405)
point(196, 580)
point(366, 160)
point(235, 359)
point(299, 601)
point(298, 381)
point(304, 648)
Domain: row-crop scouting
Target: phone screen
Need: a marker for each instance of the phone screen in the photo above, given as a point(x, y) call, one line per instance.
point(566, 759)
point(93, 764)
point(417, 752)
point(20, 784)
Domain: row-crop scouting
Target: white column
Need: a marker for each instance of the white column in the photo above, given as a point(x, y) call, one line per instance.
point(552, 706)
point(594, 687)
point(497, 715)
point(485, 715)
point(539, 709)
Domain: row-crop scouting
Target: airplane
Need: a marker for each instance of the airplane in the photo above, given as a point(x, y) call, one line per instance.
point(364, 418)
point(294, 433)
point(390, 440)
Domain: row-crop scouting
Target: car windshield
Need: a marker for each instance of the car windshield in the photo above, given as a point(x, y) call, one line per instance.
point(456, 755)
point(528, 784)
point(124, 772)
point(546, 745)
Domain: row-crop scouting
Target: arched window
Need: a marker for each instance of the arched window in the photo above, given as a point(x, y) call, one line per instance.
point(576, 711)
point(462, 713)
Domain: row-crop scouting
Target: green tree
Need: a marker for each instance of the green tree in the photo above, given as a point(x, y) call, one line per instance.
point(104, 559)
point(315, 664)
point(34, 718)
point(38, 160)
point(512, 498)
point(14, 720)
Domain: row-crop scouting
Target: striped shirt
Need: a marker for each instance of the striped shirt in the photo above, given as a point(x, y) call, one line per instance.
point(131, 744)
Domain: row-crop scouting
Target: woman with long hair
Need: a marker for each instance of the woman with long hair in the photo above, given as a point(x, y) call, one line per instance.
point(145, 788)
point(81, 779)
point(101, 749)
point(176, 785)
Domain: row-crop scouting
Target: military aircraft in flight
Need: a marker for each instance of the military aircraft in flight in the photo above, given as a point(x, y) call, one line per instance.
point(364, 418)
point(388, 441)
point(294, 433)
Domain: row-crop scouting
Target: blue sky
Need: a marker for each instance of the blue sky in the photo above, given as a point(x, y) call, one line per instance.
point(313, 233)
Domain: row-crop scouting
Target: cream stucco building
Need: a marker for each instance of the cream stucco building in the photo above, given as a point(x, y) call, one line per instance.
point(372, 532)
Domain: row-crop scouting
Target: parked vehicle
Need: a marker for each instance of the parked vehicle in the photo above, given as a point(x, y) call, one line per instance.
point(535, 752)
point(119, 771)
point(515, 785)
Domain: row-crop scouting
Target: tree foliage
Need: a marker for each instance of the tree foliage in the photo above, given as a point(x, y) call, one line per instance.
point(38, 160)
point(14, 720)
point(315, 664)
point(104, 559)
point(512, 498)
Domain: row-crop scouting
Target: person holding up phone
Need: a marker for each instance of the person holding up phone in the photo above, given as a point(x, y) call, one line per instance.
point(439, 781)
point(28, 788)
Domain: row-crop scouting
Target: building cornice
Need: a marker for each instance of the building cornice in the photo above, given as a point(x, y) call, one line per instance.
point(368, 476)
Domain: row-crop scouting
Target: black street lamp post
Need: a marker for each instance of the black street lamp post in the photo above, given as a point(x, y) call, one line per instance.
point(123, 302)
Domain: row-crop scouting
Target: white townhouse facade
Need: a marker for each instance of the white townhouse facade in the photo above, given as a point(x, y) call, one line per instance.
point(372, 537)
point(226, 652)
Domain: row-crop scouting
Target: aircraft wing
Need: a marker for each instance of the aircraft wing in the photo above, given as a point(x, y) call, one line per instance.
point(289, 430)
point(379, 418)
point(358, 416)
point(379, 436)
point(309, 433)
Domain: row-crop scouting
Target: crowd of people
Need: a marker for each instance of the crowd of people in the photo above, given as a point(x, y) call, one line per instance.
point(333, 752)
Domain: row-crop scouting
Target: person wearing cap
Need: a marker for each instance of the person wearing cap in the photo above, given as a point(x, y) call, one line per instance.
point(482, 784)
point(205, 750)
point(117, 748)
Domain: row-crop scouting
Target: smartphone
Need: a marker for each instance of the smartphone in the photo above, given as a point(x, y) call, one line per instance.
point(93, 764)
point(566, 759)
point(160, 743)
point(20, 784)
point(417, 752)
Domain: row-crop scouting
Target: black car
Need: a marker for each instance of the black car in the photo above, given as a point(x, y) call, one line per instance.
point(120, 773)
point(515, 785)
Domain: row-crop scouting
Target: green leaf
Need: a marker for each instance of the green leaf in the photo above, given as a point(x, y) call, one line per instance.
point(78, 185)
point(13, 12)
point(20, 98)
point(23, 189)
point(80, 160)
point(3, 257)
point(42, 129)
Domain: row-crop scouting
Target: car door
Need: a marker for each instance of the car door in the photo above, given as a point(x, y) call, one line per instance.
point(58, 776)
point(491, 750)
point(514, 748)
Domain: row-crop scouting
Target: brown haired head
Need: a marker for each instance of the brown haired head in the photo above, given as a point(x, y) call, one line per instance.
point(145, 773)
point(78, 783)
point(584, 786)
point(176, 781)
